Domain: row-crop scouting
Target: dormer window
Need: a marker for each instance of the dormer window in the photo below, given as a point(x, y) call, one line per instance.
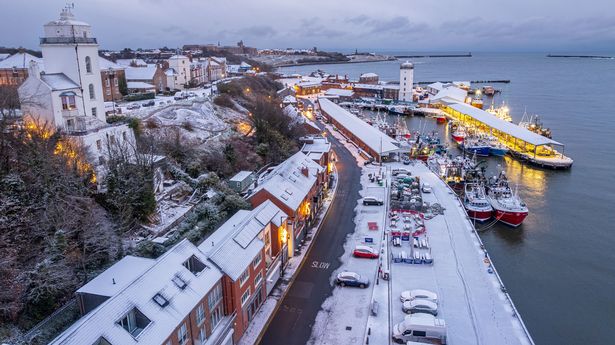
point(134, 322)
point(68, 101)
point(160, 300)
point(194, 265)
point(179, 282)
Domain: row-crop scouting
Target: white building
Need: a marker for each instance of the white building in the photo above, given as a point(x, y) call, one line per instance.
point(68, 96)
point(181, 66)
point(406, 78)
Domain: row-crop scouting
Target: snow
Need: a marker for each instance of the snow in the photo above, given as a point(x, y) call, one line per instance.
point(117, 277)
point(240, 176)
point(140, 73)
point(21, 60)
point(58, 81)
point(139, 85)
point(339, 92)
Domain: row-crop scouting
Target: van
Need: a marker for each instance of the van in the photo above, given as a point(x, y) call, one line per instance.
point(419, 327)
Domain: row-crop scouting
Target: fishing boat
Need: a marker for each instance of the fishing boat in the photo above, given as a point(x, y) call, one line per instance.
point(496, 148)
point(476, 203)
point(502, 112)
point(533, 123)
point(459, 134)
point(475, 145)
point(507, 205)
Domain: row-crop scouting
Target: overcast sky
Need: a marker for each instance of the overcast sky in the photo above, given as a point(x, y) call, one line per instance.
point(400, 25)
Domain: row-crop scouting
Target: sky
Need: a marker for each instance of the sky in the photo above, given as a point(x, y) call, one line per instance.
point(374, 25)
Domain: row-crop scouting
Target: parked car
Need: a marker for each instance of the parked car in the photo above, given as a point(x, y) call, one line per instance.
point(365, 252)
point(149, 103)
point(398, 171)
point(133, 106)
point(419, 327)
point(420, 306)
point(369, 200)
point(351, 279)
point(406, 161)
point(410, 295)
point(426, 188)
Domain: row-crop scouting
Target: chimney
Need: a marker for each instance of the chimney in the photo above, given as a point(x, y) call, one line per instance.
point(305, 171)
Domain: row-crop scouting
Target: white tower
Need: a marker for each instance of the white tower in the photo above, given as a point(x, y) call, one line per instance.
point(69, 48)
point(406, 78)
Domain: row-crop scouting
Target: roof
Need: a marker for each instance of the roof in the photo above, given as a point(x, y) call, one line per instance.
point(368, 134)
point(437, 85)
point(339, 92)
point(308, 83)
point(367, 86)
point(450, 92)
point(21, 60)
point(139, 85)
point(368, 75)
point(117, 277)
point(317, 147)
point(289, 99)
point(4, 56)
point(102, 321)
point(406, 65)
point(287, 183)
point(107, 64)
point(140, 73)
point(58, 81)
point(501, 125)
point(130, 62)
point(240, 176)
point(176, 57)
point(234, 245)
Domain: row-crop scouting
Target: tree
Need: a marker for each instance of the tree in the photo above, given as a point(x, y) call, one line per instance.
point(123, 86)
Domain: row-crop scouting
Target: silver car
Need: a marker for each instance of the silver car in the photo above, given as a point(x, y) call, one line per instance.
point(420, 306)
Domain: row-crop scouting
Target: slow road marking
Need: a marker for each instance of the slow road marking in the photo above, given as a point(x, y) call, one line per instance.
point(321, 265)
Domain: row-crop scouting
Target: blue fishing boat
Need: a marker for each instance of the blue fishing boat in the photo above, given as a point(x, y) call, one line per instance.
point(498, 150)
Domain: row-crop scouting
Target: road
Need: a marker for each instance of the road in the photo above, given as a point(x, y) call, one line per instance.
point(292, 322)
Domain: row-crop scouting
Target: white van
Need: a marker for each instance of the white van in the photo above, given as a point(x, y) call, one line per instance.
point(417, 327)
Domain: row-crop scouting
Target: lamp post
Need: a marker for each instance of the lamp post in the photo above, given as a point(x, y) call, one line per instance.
point(111, 76)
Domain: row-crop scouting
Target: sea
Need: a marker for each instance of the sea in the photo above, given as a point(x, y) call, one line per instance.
point(559, 265)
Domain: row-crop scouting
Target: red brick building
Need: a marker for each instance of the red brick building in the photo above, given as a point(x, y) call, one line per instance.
point(14, 69)
point(113, 76)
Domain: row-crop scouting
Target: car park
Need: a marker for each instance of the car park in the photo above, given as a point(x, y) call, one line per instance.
point(347, 278)
point(420, 306)
point(365, 252)
point(369, 200)
point(410, 295)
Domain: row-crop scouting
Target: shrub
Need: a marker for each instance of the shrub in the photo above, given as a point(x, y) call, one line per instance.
point(224, 100)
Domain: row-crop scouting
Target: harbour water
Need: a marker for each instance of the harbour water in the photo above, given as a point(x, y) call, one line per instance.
point(558, 266)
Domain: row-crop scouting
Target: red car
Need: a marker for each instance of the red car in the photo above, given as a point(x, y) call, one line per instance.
point(365, 252)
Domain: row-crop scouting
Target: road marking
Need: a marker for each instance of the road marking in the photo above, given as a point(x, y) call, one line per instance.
point(321, 265)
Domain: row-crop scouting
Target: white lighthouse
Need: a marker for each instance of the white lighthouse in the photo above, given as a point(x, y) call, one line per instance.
point(406, 78)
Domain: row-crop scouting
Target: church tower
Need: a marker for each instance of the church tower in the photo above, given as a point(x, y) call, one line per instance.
point(406, 78)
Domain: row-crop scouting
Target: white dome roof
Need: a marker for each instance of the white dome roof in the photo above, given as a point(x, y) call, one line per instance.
point(407, 65)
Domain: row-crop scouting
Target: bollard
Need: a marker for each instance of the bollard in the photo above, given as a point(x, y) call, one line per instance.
point(367, 340)
point(369, 331)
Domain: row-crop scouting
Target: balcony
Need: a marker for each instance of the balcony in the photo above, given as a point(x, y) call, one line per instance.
point(68, 40)
point(70, 112)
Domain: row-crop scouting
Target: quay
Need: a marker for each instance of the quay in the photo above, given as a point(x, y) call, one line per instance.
point(497, 81)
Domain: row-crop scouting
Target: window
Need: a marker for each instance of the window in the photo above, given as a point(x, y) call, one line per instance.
point(179, 282)
point(257, 260)
point(160, 300)
point(134, 322)
point(194, 265)
point(68, 102)
point(200, 314)
point(258, 279)
point(245, 297)
point(214, 296)
point(88, 63)
point(419, 333)
point(216, 316)
point(244, 277)
point(202, 335)
point(91, 88)
point(107, 82)
point(94, 111)
point(182, 334)
point(115, 81)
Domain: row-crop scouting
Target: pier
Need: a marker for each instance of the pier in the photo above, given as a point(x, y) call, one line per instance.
point(433, 56)
point(496, 81)
point(581, 56)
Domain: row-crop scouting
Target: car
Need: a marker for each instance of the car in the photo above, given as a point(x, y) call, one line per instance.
point(420, 306)
point(419, 326)
point(365, 252)
point(406, 161)
point(133, 106)
point(410, 295)
point(351, 279)
point(369, 200)
point(426, 188)
point(149, 103)
point(398, 171)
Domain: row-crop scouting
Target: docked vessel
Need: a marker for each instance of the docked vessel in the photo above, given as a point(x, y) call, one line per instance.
point(508, 207)
point(476, 203)
point(476, 145)
point(502, 112)
point(459, 134)
point(533, 123)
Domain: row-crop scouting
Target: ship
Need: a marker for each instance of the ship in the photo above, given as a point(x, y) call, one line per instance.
point(476, 203)
point(507, 205)
point(533, 123)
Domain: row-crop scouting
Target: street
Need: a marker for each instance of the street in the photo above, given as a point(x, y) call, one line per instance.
point(292, 322)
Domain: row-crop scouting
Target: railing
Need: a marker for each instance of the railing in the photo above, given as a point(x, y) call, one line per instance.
point(68, 40)
point(221, 331)
point(70, 112)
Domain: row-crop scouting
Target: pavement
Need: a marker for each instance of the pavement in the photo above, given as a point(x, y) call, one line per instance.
point(293, 320)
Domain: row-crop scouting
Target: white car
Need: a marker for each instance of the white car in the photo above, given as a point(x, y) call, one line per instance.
point(410, 295)
point(426, 188)
point(420, 306)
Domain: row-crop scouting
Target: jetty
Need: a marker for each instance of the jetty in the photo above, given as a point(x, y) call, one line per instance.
point(496, 81)
point(433, 56)
point(581, 56)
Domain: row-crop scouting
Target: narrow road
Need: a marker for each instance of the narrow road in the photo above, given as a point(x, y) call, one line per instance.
point(292, 323)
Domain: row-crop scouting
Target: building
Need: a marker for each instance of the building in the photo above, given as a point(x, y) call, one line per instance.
point(216, 68)
point(237, 70)
point(146, 79)
point(175, 299)
point(250, 250)
point(296, 187)
point(340, 95)
point(69, 96)
point(368, 78)
point(241, 181)
point(180, 64)
point(406, 80)
point(131, 62)
point(307, 88)
point(318, 148)
point(390, 91)
point(368, 90)
point(373, 142)
point(14, 68)
point(298, 119)
point(112, 76)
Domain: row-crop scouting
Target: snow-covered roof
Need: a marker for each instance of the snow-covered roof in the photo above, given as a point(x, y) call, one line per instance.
point(131, 62)
point(368, 134)
point(140, 73)
point(436, 86)
point(139, 85)
point(309, 83)
point(316, 147)
point(450, 92)
point(367, 86)
point(289, 99)
point(391, 86)
point(240, 176)
point(287, 183)
point(117, 277)
point(234, 245)
point(501, 125)
point(21, 60)
point(103, 321)
point(105, 64)
point(58, 81)
point(369, 75)
point(245, 65)
point(4, 56)
point(339, 92)
point(177, 57)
